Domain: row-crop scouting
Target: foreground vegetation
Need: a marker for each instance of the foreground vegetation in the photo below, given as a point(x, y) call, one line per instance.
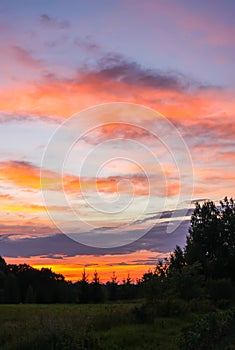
point(111, 327)
point(187, 302)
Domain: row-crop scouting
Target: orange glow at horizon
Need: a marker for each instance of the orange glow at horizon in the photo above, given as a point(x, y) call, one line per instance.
point(72, 267)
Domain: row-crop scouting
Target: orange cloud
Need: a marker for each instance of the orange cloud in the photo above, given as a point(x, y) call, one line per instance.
point(21, 174)
point(64, 98)
point(212, 175)
point(26, 175)
point(116, 131)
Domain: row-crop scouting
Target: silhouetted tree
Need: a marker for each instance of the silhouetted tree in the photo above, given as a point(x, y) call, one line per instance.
point(3, 265)
point(155, 283)
point(30, 297)
point(96, 289)
point(112, 287)
point(127, 288)
point(187, 282)
point(162, 268)
point(226, 253)
point(11, 290)
point(211, 239)
point(83, 289)
point(177, 259)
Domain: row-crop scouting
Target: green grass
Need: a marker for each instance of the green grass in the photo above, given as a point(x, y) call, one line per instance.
point(86, 327)
point(110, 326)
point(162, 334)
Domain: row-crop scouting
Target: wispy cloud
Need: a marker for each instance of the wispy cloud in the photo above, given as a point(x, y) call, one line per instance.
point(24, 57)
point(53, 22)
point(26, 175)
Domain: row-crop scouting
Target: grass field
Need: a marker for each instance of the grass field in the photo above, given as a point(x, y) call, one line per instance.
point(108, 326)
point(98, 327)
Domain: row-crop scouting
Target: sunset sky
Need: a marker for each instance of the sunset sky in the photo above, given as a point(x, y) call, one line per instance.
point(171, 67)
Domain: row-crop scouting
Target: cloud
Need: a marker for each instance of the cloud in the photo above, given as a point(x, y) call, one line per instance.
point(24, 57)
point(8, 117)
point(26, 175)
point(117, 131)
point(202, 25)
point(199, 200)
point(178, 213)
point(24, 229)
point(150, 261)
point(87, 45)
point(19, 66)
point(115, 67)
point(54, 23)
point(156, 240)
point(187, 103)
point(209, 174)
point(5, 196)
point(20, 173)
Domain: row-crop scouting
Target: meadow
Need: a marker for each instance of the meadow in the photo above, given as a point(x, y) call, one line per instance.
point(98, 327)
point(103, 326)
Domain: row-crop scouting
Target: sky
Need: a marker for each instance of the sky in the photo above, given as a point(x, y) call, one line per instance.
point(115, 117)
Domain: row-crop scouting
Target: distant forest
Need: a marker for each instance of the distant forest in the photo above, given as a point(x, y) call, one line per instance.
point(201, 271)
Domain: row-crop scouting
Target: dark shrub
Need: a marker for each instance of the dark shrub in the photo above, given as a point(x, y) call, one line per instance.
point(220, 289)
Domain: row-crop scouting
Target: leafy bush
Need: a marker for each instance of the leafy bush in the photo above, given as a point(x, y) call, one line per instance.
point(143, 314)
point(146, 313)
point(201, 306)
point(170, 307)
point(187, 283)
point(220, 289)
point(223, 304)
point(207, 331)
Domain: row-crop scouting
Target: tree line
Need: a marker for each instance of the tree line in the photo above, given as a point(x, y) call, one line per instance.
point(24, 284)
point(202, 270)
